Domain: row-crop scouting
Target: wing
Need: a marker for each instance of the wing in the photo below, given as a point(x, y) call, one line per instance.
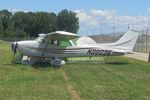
point(60, 35)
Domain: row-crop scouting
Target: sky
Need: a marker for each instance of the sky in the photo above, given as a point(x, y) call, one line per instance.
point(95, 16)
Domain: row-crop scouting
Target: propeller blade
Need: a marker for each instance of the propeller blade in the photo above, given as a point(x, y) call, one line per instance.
point(14, 46)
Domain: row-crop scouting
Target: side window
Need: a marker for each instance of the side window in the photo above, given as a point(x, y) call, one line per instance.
point(60, 43)
point(54, 42)
point(65, 43)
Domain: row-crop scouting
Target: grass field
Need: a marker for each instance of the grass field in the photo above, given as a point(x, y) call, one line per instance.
point(121, 79)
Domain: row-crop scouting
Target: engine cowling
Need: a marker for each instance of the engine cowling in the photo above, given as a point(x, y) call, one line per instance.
point(57, 62)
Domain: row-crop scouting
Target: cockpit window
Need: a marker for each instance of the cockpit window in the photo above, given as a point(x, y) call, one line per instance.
point(56, 42)
point(40, 39)
point(65, 43)
point(73, 43)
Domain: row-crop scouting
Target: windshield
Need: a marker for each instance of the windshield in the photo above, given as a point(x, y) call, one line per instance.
point(40, 39)
point(56, 42)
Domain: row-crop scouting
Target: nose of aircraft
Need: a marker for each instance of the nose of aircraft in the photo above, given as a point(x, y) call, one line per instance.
point(14, 46)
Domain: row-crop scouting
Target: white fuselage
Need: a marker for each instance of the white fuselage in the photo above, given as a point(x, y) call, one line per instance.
point(35, 49)
point(58, 44)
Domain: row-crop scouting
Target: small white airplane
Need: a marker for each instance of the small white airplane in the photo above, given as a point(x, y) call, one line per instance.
point(53, 46)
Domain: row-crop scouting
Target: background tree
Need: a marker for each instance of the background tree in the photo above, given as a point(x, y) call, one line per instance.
point(22, 24)
point(5, 20)
point(1, 29)
point(43, 22)
point(67, 21)
point(19, 21)
point(34, 23)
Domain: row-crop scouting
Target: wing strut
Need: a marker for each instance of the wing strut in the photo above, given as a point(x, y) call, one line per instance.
point(45, 48)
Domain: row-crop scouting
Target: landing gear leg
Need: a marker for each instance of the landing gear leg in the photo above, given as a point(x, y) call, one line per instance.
point(105, 59)
point(28, 58)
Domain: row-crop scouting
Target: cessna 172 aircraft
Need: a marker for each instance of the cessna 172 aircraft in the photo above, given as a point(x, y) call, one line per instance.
point(51, 46)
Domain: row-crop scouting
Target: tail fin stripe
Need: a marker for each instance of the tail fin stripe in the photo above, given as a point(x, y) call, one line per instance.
point(124, 42)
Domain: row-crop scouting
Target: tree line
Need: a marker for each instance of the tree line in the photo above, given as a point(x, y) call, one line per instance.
point(30, 24)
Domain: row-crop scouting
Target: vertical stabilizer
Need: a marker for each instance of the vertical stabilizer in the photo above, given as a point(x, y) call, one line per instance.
point(128, 40)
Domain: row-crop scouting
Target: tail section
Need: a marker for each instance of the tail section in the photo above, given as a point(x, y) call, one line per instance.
point(127, 41)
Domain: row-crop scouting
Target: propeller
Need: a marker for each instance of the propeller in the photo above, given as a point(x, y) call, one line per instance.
point(14, 46)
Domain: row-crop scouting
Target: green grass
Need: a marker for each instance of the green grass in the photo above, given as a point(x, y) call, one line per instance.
point(128, 80)
point(121, 79)
point(24, 82)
